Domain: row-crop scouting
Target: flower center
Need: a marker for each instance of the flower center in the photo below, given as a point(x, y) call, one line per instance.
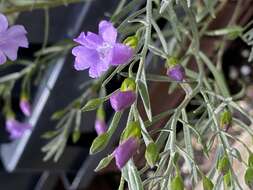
point(104, 50)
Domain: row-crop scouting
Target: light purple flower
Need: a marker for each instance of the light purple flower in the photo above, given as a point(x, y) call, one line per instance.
point(11, 39)
point(100, 126)
point(98, 51)
point(176, 73)
point(25, 107)
point(125, 151)
point(15, 128)
point(122, 100)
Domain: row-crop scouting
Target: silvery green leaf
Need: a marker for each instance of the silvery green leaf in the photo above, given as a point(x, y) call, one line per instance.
point(143, 90)
point(210, 6)
point(225, 31)
point(157, 51)
point(132, 176)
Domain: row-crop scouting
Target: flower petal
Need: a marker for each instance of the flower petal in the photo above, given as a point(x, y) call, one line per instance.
point(2, 58)
point(97, 69)
point(122, 100)
point(107, 31)
point(91, 40)
point(15, 128)
point(100, 126)
point(84, 57)
point(3, 23)
point(10, 50)
point(121, 54)
point(81, 39)
point(125, 151)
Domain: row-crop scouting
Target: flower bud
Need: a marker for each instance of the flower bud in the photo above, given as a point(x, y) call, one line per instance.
point(235, 32)
point(25, 106)
point(207, 183)
point(122, 100)
point(131, 41)
point(250, 160)
point(15, 128)
point(248, 177)
point(227, 178)
point(177, 183)
point(125, 151)
point(100, 124)
point(152, 154)
point(176, 73)
point(224, 165)
point(128, 84)
point(132, 130)
point(226, 119)
point(99, 143)
point(171, 62)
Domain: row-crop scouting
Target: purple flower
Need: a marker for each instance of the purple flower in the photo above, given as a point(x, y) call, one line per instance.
point(176, 73)
point(25, 107)
point(100, 126)
point(15, 128)
point(122, 100)
point(98, 51)
point(11, 39)
point(125, 151)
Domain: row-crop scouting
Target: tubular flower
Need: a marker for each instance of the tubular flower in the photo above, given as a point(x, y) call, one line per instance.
point(122, 100)
point(25, 106)
point(100, 126)
point(98, 51)
point(176, 73)
point(11, 39)
point(125, 151)
point(15, 128)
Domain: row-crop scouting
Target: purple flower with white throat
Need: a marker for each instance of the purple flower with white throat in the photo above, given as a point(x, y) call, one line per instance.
point(100, 126)
point(11, 39)
point(16, 128)
point(176, 73)
point(98, 51)
point(25, 107)
point(125, 151)
point(121, 100)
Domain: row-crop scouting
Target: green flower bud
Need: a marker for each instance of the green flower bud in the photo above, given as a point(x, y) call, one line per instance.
point(177, 183)
point(128, 84)
point(132, 130)
point(152, 154)
point(225, 119)
point(224, 165)
point(76, 136)
point(99, 143)
point(100, 113)
point(235, 32)
point(227, 179)
point(171, 62)
point(131, 41)
point(104, 162)
point(207, 183)
point(248, 177)
point(250, 160)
